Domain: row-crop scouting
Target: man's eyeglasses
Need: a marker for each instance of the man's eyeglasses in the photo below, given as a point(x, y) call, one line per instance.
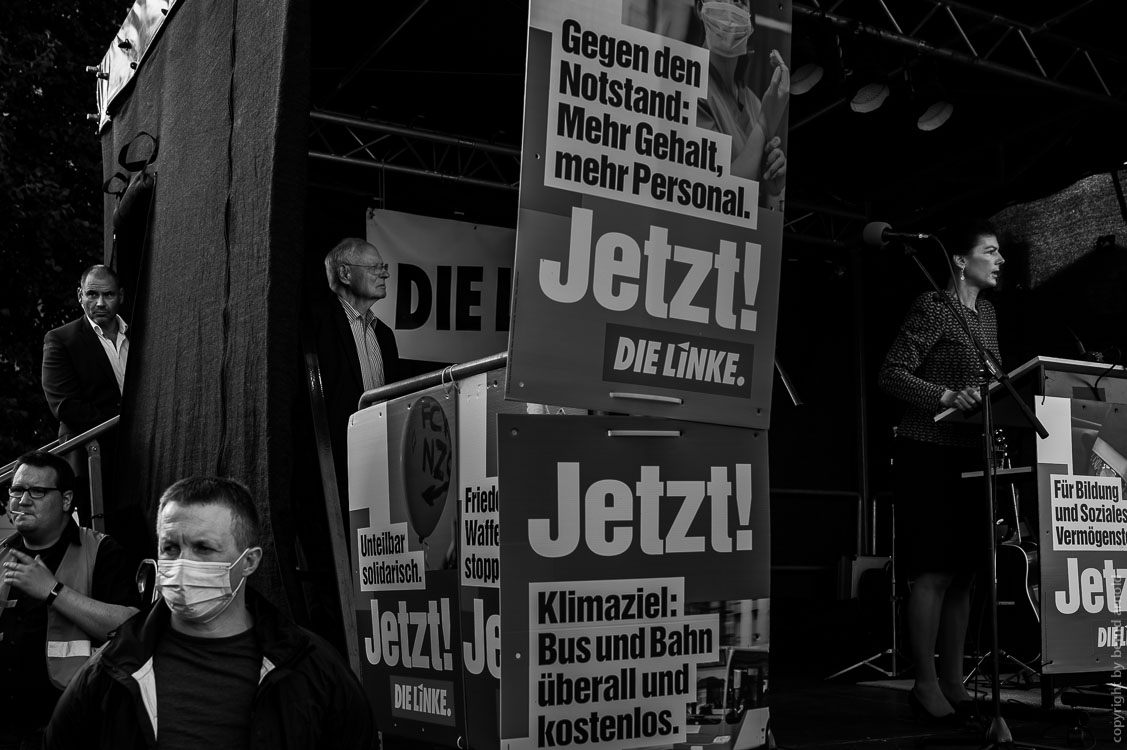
point(377, 268)
point(16, 491)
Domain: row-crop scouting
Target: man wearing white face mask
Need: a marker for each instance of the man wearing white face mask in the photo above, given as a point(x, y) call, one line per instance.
point(754, 124)
point(215, 662)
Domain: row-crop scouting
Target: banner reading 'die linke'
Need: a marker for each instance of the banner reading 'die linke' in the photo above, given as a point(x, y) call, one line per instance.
point(450, 286)
point(1083, 550)
point(650, 224)
point(631, 549)
point(403, 521)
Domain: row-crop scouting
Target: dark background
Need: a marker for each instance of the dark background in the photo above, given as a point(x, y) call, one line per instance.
point(456, 69)
point(50, 183)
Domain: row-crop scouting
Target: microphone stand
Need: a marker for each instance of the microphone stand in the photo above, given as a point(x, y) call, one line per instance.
point(998, 734)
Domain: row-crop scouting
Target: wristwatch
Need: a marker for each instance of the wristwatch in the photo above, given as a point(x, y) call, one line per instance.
point(54, 594)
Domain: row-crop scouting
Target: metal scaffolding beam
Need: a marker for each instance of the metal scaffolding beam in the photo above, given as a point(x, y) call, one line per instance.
point(340, 139)
point(1031, 45)
point(403, 150)
point(818, 224)
point(373, 53)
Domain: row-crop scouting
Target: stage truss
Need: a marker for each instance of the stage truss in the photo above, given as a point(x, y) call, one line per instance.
point(951, 31)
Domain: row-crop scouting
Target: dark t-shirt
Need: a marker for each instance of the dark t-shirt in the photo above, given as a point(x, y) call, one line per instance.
point(23, 628)
point(205, 690)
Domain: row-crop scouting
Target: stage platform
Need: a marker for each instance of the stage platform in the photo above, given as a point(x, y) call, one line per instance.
point(866, 716)
point(844, 715)
point(862, 710)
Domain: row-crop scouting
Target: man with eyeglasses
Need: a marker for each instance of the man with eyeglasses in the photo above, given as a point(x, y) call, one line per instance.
point(63, 590)
point(356, 351)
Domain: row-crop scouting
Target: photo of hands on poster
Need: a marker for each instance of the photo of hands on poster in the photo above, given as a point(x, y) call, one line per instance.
point(748, 78)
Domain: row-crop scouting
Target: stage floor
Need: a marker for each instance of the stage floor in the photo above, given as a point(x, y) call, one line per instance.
point(855, 716)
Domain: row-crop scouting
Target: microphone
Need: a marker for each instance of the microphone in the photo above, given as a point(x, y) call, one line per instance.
point(879, 234)
point(1082, 350)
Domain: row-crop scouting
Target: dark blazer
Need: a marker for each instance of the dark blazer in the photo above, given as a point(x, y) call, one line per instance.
point(341, 378)
point(78, 378)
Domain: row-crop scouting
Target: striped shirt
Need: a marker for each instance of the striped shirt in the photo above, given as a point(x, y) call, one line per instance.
point(932, 354)
point(363, 326)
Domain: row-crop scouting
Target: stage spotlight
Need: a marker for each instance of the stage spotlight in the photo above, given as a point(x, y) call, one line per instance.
point(805, 78)
point(935, 115)
point(869, 97)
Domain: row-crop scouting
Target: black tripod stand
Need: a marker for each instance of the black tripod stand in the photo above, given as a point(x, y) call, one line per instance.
point(998, 733)
point(896, 658)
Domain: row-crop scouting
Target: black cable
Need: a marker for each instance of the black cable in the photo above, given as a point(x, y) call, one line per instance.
point(1115, 363)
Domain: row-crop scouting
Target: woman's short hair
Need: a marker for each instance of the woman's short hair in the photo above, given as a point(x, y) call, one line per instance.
point(960, 239)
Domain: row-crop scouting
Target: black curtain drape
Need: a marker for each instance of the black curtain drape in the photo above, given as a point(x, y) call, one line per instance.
point(213, 369)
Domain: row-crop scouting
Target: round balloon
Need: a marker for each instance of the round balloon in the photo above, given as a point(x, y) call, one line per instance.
point(427, 457)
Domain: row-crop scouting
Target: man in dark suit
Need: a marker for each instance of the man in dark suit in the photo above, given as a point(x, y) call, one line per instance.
point(84, 366)
point(356, 351)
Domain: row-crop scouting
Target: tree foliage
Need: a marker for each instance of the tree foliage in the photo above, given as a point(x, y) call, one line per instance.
point(50, 180)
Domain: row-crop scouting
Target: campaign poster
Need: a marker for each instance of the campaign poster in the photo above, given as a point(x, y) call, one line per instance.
point(448, 295)
point(479, 567)
point(635, 556)
point(480, 399)
point(403, 522)
point(649, 231)
point(1083, 522)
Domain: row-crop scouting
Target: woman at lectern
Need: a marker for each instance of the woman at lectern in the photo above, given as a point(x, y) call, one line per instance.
point(932, 366)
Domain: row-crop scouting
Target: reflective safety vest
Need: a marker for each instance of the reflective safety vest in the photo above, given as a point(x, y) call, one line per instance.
point(68, 646)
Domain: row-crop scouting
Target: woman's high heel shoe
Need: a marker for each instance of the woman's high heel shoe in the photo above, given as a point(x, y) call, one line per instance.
point(922, 715)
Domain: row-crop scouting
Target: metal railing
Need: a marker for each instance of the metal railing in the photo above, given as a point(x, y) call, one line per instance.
point(438, 377)
point(89, 441)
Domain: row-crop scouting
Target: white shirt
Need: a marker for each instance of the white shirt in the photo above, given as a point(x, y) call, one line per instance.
point(117, 351)
point(363, 327)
